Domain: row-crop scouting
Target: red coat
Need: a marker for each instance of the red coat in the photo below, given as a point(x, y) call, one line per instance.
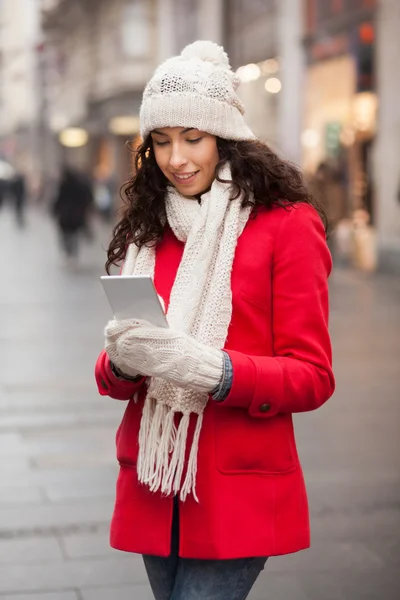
point(250, 484)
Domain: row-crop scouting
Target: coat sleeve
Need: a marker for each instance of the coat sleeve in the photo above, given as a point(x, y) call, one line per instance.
point(298, 377)
point(109, 385)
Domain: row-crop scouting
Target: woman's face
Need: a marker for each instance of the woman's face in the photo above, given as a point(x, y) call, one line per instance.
point(187, 157)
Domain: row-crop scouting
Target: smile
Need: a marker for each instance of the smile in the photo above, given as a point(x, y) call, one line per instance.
point(185, 177)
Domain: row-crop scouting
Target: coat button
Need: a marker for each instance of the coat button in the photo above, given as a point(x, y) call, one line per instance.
point(103, 384)
point(265, 408)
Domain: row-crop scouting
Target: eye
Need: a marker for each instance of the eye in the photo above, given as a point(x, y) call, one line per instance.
point(160, 143)
point(195, 141)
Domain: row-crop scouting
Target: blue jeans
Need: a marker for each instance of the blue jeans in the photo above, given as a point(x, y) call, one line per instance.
point(175, 578)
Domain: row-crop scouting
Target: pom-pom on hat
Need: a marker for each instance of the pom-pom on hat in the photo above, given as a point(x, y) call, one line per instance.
point(196, 89)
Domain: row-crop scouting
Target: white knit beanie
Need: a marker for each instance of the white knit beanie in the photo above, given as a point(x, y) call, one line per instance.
point(195, 89)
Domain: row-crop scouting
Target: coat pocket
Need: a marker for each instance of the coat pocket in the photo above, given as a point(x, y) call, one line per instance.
point(244, 444)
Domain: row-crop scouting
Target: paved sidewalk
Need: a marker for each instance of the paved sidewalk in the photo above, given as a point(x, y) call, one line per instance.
point(57, 463)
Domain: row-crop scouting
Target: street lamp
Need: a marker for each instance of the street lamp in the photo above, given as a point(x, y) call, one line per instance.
point(73, 137)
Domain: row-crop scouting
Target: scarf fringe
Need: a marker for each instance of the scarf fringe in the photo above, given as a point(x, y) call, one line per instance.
point(162, 450)
point(201, 306)
point(165, 447)
point(144, 435)
point(189, 485)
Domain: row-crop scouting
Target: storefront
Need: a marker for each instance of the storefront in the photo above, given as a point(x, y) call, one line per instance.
point(115, 126)
point(251, 43)
point(102, 144)
point(259, 92)
point(340, 110)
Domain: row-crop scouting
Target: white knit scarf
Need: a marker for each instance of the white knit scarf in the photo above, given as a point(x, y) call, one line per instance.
point(201, 306)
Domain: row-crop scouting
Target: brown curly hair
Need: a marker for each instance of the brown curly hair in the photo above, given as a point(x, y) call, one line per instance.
point(258, 173)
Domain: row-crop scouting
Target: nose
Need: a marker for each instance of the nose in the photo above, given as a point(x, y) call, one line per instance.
point(177, 158)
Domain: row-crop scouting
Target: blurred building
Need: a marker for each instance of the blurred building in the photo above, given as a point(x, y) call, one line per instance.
point(251, 41)
point(99, 55)
point(320, 83)
point(386, 163)
point(340, 109)
point(19, 100)
point(264, 43)
point(351, 122)
point(95, 56)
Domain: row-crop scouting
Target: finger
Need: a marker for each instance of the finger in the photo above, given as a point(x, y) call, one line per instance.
point(112, 352)
point(116, 328)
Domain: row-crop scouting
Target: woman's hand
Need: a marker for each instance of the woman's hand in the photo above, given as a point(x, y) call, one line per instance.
point(139, 347)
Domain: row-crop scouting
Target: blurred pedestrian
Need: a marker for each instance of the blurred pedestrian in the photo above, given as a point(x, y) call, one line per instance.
point(398, 193)
point(210, 483)
point(328, 190)
point(104, 191)
point(17, 189)
point(7, 173)
point(71, 210)
point(3, 191)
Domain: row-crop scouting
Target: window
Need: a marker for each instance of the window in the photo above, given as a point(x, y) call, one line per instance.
point(136, 29)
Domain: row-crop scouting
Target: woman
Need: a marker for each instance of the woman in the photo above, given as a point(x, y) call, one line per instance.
point(210, 483)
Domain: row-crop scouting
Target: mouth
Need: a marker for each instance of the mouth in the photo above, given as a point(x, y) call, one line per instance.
point(185, 178)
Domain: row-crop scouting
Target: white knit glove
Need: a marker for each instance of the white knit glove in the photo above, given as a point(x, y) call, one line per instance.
point(113, 331)
point(139, 347)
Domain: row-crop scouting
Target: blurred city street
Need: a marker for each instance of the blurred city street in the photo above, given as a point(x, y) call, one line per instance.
point(320, 85)
point(57, 460)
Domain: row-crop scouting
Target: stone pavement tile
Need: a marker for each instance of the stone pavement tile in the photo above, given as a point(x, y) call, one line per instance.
point(67, 476)
point(56, 516)
point(133, 592)
point(86, 573)
point(39, 398)
point(325, 555)
point(86, 545)
point(11, 442)
point(353, 496)
point(32, 420)
point(52, 359)
point(42, 596)
point(52, 389)
point(332, 474)
point(38, 443)
point(79, 436)
point(72, 459)
point(274, 586)
point(104, 454)
point(62, 492)
point(32, 550)
point(332, 585)
point(37, 323)
point(20, 495)
point(350, 584)
point(13, 463)
point(356, 527)
point(59, 402)
point(335, 584)
point(387, 549)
